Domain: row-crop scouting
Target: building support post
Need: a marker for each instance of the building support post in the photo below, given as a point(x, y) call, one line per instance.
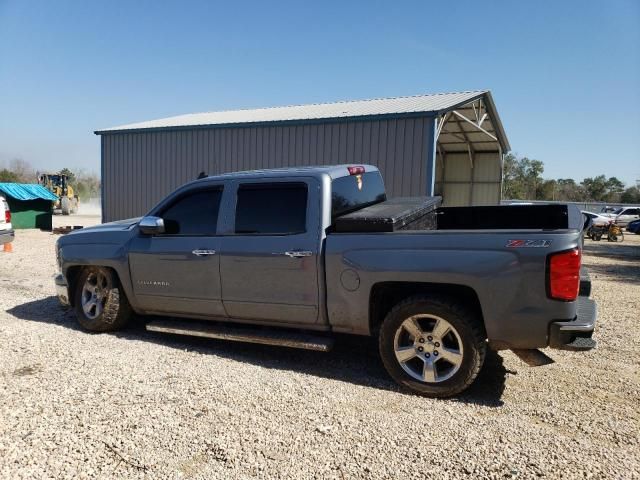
point(431, 157)
point(102, 219)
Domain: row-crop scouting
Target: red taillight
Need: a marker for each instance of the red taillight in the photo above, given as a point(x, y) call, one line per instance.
point(7, 216)
point(356, 170)
point(564, 275)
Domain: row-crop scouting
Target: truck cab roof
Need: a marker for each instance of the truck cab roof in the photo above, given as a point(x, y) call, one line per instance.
point(333, 171)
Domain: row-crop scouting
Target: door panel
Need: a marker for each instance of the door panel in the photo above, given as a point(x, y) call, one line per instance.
point(178, 271)
point(168, 277)
point(273, 276)
point(261, 282)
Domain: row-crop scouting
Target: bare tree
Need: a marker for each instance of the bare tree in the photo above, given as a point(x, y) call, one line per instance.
point(23, 170)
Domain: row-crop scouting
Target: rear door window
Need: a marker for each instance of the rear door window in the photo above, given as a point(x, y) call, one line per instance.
point(271, 209)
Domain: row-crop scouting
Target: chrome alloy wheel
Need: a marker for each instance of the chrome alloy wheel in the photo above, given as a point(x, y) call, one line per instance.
point(94, 294)
point(428, 348)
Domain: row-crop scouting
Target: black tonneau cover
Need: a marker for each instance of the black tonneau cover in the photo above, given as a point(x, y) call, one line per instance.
point(415, 213)
point(503, 217)
point(425, 213)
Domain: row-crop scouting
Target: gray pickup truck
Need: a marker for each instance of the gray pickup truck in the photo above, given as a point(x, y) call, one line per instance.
point(293, 256)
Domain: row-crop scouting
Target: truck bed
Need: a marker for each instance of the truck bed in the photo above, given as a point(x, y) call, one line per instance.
point(425, 213)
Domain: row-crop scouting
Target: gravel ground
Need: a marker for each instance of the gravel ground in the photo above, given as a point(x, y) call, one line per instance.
point(142, 405)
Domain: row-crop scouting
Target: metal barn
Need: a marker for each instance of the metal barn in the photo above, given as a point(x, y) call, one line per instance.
point(448, 144)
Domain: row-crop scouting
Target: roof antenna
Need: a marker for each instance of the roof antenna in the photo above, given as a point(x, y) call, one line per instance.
point(202, 175)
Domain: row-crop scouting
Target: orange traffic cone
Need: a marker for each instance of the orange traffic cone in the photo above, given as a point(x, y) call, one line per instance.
point(8, 248)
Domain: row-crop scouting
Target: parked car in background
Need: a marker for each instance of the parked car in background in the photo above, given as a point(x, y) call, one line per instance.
point(6, 230)
point(607, 209)
point(623, 215)
point(597, 220)
point(634, 227)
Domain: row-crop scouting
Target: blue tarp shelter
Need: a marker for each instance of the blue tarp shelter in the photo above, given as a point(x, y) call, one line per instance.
point(31, 205)
point(27, 191)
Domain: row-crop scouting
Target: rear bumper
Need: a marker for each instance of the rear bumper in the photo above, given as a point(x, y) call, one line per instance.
point(576, 334)
point(7, 236)
point(62, 289)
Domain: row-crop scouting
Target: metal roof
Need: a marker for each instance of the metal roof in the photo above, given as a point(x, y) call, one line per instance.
point(344, 109)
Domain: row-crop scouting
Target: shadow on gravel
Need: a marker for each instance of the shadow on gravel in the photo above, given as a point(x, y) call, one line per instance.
point(616, 251)
point(627, 273)
point(353, 359)
point(627, 261)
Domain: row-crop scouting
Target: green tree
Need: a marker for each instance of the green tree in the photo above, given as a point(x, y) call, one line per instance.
point(512, 188)
point(522, 178)
point(70, 176)
point(630, 195)
point(8, 176)
point(547, 190)
point(568, 190)
point(614, 189)
point(595, 188)
point(603, 189)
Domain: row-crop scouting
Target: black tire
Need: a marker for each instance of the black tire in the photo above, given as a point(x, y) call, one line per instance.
point(65, 205)
point(470, 332)
point(115, 310)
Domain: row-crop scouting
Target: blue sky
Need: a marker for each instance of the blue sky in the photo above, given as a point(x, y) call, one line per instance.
point(565, 75)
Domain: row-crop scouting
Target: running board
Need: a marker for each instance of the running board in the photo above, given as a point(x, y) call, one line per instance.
point(264, 336)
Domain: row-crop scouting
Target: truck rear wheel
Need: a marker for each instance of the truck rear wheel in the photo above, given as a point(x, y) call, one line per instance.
point(432, 345)
point(65, 205)
point(100, 303)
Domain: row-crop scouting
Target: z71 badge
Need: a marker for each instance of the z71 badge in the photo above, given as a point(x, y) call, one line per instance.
point(528, 243)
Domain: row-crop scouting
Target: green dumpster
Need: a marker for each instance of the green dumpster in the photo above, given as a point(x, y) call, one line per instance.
point(31, 205)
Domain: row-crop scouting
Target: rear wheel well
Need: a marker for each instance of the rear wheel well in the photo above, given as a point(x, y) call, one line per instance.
point(385, 295)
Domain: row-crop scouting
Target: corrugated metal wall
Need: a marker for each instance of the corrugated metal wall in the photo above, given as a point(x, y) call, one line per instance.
point(462, 183)
point(139, 169)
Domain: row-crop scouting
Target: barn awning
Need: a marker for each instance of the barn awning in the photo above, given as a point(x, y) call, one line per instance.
point(26, 191)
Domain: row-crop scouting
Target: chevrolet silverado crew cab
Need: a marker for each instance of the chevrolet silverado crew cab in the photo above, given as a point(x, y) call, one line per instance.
point(294, 256)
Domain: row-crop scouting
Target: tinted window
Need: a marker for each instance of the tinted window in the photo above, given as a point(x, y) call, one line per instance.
point(194, 214)
point(271, 208)
point(356, 191)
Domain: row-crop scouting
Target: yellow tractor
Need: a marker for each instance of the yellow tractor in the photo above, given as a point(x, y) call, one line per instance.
point(58, 184)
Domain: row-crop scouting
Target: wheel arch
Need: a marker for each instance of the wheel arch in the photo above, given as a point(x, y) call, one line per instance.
point(73, 276)
point(385, 295)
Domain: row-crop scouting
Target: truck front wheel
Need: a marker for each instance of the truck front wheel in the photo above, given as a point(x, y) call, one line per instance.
point(432, 345)
point(100, 303)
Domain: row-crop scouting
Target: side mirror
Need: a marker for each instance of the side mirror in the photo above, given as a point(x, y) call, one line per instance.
point(151, 225)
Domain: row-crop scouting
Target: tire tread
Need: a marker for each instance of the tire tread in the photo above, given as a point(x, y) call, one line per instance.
point(117, 310)
point(466, 315)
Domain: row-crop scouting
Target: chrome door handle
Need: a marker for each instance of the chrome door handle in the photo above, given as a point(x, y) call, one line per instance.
point(203, 253)
point(298, 253)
